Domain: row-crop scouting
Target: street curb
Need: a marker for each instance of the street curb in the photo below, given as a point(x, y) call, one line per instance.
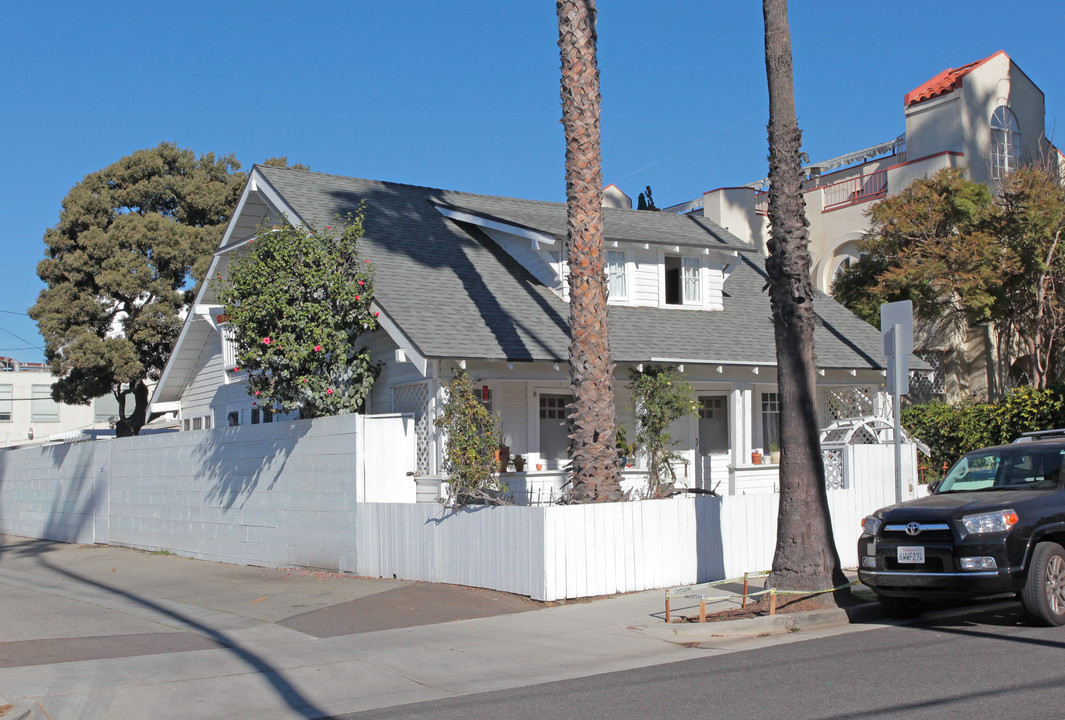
point(16, 712)
point(780, 624)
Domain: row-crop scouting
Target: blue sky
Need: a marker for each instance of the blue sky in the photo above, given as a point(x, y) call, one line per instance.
point(458, 94)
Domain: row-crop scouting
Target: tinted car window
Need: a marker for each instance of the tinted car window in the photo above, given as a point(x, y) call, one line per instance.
point(1008, 468)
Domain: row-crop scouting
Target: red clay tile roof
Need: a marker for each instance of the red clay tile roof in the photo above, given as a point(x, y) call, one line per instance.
point(943, 83)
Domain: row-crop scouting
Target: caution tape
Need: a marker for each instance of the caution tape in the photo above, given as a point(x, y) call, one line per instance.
point(686, 593)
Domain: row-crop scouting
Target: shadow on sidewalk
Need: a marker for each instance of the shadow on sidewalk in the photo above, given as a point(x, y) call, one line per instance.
point(274, 676)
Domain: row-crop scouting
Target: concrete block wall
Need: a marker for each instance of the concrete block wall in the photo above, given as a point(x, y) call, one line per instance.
point(280, 493)
point(53, 492)
point(274, 494)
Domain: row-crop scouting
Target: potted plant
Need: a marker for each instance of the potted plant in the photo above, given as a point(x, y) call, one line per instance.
point(502, 455)
point(774, 452)
point(626, 450)
point(756, 457)
point(518, 463)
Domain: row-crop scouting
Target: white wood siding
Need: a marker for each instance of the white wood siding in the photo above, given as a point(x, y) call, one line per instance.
point(645, 276)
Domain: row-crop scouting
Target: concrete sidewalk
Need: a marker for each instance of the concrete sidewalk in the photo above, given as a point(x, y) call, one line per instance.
point(100, 632)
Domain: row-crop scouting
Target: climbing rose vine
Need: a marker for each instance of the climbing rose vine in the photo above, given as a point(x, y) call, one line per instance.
point(298, 303)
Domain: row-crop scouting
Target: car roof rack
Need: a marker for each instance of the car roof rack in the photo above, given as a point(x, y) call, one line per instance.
point(1040, 435)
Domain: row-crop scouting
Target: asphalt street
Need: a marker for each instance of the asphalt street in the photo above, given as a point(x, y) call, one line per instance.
point(985, 663)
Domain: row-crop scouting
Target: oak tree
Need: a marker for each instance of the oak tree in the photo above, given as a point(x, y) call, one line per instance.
point(120, 266)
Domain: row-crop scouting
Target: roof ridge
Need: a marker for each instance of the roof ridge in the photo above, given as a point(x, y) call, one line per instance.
point(401, 184)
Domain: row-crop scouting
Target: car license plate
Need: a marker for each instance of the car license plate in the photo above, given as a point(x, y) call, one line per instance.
point(910, 554)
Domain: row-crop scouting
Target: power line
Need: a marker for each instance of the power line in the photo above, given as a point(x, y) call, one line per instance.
point(10, 312)
point(36, 347)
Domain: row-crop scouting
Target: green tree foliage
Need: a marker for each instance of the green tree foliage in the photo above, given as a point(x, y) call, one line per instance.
point(297, 304)
point(1028, 223)
point(660, 397)
point(118, 267)
point(950, 431)
point(472, 436)
point(928, 244)
point(956, 252)
point(282, 161)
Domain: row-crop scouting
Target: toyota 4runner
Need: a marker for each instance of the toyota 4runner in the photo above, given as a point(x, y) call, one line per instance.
point(994, 525)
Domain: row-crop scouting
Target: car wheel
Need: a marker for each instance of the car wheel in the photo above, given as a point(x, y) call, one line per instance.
point(1044, 589)
point(901, 607)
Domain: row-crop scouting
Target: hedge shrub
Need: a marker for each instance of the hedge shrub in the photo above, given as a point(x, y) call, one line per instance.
point(950, 431)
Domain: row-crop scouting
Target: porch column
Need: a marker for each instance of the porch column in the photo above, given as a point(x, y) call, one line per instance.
point(741, 439)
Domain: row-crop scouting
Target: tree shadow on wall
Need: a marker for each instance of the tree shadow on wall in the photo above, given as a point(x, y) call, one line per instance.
point(238, 460)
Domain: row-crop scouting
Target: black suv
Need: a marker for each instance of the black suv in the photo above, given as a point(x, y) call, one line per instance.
point(994, 525)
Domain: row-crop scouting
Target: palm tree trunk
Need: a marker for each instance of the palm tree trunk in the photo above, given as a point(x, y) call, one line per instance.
point(594, 472)
point(806, 556)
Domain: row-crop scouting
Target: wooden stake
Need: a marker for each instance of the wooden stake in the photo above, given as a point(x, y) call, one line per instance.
point(743, 603)
point(667, 607)
point(702, 611)
point(772, 601)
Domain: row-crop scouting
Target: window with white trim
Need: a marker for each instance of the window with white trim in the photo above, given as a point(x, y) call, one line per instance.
point(770, 420)
point(1005, 142)
point(105, 408)
point(692, 292)
point(5, 403)
point(42, 407)
point(615, 273)
point(683, 277)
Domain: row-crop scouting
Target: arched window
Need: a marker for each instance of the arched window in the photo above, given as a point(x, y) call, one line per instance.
point(1005, 142)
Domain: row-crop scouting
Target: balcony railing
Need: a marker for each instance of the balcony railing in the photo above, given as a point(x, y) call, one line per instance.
point(761, 203)
point(855, 190)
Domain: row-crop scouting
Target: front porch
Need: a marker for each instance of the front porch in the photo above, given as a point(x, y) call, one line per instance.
point(726, 447)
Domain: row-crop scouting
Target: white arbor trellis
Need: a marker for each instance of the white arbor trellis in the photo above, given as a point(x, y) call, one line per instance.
point(865, 430)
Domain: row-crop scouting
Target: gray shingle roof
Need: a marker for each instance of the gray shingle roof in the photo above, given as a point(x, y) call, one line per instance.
point(639, 226)
point(456, 294)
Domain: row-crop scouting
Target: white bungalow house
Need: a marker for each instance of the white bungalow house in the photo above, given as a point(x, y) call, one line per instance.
point(478, 281)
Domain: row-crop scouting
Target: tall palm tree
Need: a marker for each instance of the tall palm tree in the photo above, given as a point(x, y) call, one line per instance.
point(805, 556)
point(594, 473)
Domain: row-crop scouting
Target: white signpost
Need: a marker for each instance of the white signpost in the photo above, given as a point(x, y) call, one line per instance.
point(896, 329)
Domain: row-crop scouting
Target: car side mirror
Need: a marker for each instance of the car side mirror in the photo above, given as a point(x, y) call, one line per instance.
point(934, 485)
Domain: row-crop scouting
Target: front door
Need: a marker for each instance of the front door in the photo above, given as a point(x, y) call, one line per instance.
point(713, 442)
point(554, 430)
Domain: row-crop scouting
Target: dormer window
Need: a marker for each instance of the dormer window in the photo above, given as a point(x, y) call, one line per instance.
point(682, 281)
point(615, 273)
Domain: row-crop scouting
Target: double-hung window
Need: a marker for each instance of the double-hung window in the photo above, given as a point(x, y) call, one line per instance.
point(42, 407)
point(615, 273)
point(692, 293)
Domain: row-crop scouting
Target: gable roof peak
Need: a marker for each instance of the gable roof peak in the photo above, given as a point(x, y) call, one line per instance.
point(945, 82)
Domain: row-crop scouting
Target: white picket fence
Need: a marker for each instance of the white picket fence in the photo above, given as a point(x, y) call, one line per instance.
point(573, 551)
